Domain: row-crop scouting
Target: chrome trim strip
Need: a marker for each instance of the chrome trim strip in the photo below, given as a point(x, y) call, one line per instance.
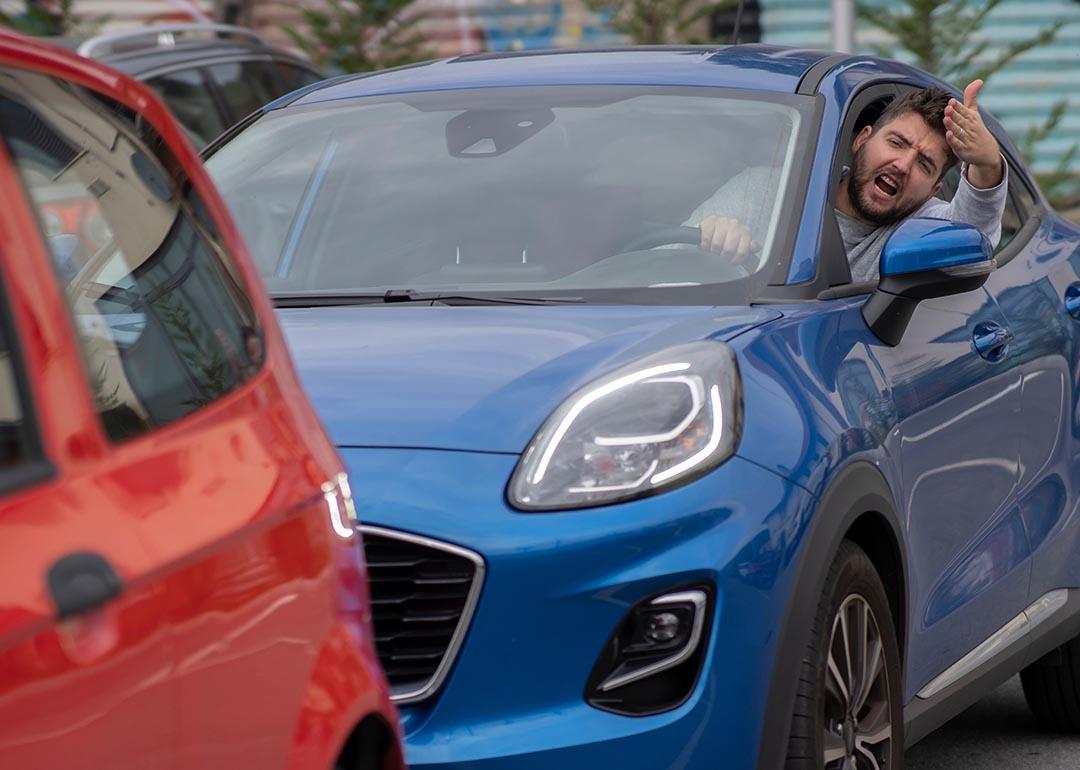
point(1000, 641)
point(699, 600)
point(433, 684)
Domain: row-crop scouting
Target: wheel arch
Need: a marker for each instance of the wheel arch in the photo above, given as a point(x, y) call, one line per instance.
point(372, 745)
point(857, 504)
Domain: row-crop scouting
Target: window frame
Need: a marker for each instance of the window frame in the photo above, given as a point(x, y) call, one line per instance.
point(830, 243)
point(833, 261)
point(1030, 226)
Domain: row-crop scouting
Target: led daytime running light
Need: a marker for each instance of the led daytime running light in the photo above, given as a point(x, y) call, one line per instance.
point(590, 397)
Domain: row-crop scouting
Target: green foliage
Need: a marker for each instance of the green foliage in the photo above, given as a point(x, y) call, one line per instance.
point(47, 19)
point(360, 35)
point(199, 348)
point(942, 36)
point(658, 22)
point(1062, 183)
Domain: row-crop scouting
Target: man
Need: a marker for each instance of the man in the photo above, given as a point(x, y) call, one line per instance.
point(898, 164)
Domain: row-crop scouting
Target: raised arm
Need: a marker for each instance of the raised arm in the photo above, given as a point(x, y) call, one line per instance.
point(980, 197)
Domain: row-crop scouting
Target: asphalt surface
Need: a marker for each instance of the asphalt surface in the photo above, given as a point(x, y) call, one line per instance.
point(997, 733)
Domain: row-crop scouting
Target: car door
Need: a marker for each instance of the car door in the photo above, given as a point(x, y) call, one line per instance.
point(85, 654)
point(1037, 286)
point(202, 457)
point(958, 444)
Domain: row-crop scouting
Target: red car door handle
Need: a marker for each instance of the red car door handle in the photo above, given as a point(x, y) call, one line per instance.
point(82, 581)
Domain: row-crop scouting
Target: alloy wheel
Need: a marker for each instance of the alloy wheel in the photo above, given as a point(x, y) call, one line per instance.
point(858, 715)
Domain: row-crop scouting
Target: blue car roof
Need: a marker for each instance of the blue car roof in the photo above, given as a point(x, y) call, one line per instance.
point(754, 67)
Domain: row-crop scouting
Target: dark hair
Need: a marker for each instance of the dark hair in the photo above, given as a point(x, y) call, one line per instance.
point(928, 103)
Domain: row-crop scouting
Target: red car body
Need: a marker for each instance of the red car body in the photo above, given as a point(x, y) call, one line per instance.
point(234, 626)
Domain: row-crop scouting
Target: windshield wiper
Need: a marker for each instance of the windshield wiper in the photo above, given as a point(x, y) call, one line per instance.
point(409, 295)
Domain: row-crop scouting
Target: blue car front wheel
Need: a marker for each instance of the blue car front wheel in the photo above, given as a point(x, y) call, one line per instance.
point(847, 713)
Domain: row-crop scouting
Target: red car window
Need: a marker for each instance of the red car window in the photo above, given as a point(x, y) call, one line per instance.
point(164, 325)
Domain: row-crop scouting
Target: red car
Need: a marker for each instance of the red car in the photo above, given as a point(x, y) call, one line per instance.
point(181, 585)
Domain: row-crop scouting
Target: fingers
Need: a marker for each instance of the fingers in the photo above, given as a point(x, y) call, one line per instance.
point(957, 146)
point(708, 230)
point(957, 116)
point(728, 237)
point(971, 92)
point(731, 242)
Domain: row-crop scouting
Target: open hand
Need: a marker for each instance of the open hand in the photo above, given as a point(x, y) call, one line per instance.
point(971, 140)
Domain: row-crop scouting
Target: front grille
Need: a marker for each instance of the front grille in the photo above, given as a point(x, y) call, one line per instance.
point(422, 593)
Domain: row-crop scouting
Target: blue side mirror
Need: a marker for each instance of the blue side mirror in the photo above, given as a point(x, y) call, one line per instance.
point(920, 245)
point(923, 259)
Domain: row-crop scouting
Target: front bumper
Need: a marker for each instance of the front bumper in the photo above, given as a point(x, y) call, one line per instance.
point(558, 584)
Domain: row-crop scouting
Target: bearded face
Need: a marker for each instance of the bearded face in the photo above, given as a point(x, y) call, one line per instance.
point(896, 169)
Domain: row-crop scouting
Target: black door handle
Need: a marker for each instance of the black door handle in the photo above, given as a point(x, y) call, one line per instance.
point(82, 581)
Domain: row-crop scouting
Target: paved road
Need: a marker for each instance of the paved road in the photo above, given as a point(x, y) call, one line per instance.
point(997, 733)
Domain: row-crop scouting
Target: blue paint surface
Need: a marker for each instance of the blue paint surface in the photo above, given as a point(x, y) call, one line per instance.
point(933, 244)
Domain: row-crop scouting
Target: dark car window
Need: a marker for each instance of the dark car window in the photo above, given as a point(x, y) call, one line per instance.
point(294, 76)
point(1022, 195)
point(246, 86)
point(14, 438)
point(162, 320)
point(189, 97)
point(1017, 210)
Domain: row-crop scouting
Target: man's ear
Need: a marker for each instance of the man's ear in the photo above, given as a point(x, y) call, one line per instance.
point(861, 137)
point(935, 191)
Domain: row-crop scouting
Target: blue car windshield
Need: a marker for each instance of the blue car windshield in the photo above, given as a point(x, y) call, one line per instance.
point(550, 190)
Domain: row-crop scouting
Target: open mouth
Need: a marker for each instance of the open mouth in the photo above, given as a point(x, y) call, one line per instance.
point(887, 185)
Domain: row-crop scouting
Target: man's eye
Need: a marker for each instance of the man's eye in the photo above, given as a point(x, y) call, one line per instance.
point(894, 142)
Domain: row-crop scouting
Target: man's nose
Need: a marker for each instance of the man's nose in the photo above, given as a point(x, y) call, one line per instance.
point(905, 161)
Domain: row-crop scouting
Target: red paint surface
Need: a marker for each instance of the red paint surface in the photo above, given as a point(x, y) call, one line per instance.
point(242, 636)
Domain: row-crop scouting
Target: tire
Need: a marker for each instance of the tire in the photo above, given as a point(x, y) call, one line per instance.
point(828, 730)
point(1052, 688)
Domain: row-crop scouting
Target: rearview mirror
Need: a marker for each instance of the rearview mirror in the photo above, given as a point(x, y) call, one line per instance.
point(923, 259)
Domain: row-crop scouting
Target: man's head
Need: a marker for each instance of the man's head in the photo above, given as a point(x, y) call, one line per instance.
point(900, 160)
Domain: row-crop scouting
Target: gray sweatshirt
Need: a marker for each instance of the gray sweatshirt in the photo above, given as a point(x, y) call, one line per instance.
point(750, 197)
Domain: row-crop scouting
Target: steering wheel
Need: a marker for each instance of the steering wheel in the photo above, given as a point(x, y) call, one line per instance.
point(667, 234)
point(661, 236)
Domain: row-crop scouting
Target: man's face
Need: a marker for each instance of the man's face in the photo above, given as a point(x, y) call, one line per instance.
point(896, 169)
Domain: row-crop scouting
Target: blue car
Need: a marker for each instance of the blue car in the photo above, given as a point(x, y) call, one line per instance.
point(628, 503)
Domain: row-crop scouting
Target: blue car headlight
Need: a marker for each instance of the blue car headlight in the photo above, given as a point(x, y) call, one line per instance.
point(646, 427)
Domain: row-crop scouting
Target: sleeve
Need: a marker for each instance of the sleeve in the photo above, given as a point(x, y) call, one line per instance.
point(749, 197)
point(980, 208)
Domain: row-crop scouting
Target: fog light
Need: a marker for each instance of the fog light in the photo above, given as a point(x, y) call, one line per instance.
point(661, 626)
point(652, 661)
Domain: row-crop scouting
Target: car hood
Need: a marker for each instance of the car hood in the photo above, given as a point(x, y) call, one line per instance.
point(474, 378)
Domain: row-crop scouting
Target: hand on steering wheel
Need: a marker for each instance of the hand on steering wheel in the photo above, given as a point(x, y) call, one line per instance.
point(716, 230)
point(729, 238)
